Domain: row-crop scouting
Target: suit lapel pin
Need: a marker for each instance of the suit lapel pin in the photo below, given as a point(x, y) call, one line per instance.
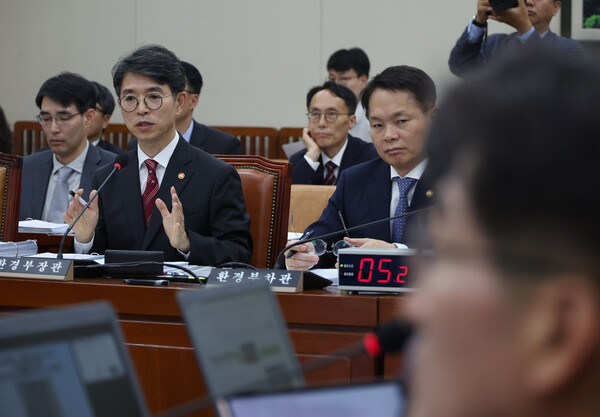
point(181, 175)
point(429, 193)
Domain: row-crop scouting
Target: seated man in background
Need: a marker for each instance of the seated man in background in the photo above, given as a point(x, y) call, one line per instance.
point(196, 134)
point(169, 196)
point(105, 105)
point(329, 148)
point(531, 19)
point(67, 105)
point(400, 103)
point(508, 314)
point(350, 68)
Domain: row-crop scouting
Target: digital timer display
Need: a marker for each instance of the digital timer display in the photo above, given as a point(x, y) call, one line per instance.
point(375, 269)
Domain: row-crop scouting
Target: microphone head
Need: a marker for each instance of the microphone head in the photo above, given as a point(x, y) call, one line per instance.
point(389, 338)
point(121, 161)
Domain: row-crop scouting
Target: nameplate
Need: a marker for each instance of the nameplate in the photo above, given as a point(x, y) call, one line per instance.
point(36, 268)
point(279, 280)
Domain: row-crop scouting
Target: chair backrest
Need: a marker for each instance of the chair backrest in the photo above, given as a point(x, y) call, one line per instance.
point(307, 203)
point(287, 135)
point(118, 135)
point(29, 137)
point(11, 167)
point(254, 140)
point(266, 186)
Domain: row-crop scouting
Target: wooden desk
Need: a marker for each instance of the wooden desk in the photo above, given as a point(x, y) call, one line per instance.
point(319, 323)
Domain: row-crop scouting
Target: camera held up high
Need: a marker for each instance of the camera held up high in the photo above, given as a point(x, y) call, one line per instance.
point(502, 5)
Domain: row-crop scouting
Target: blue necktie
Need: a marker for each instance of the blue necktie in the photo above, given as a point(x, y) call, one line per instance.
point(404, 184)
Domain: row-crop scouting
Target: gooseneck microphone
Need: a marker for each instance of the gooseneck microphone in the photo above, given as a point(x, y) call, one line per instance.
point(120, 162)
point(346, 230)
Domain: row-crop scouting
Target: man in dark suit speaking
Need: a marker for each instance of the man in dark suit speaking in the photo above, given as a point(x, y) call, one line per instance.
point(531, 20)
point(169, 196)
point(329, 147)
point(399, 104)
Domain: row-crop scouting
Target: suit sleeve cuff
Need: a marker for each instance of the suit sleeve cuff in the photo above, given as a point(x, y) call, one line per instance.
point(314, 165)
point(474, 33)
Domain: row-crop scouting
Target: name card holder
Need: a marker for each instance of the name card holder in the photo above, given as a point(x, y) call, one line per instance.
point(36, 268)
point(279, 280)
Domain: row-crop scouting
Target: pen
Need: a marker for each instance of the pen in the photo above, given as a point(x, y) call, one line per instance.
point(147, 282)
point(81, 200)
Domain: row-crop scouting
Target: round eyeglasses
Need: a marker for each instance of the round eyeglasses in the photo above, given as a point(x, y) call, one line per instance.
point(320, 247)
point(152, 101)
point(330, 116)
point(61, 120)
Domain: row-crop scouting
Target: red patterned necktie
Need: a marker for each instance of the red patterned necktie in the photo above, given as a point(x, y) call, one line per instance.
point(151, 189)
point(330, 177)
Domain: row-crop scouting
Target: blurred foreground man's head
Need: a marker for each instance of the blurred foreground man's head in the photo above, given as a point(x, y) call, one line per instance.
point(509, 313)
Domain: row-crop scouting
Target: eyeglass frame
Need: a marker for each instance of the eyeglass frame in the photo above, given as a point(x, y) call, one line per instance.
point(137, 101)
point(61, 120)
point(309, 115)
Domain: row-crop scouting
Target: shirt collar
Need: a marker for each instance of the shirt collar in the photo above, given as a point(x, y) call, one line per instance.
point(76, 164)
point(188, 133)
point(163, 157)
point(337, 159)
point(415, 173)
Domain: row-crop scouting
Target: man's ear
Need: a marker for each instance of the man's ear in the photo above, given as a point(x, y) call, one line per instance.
point(557, 6)
point(193, 98)
point(181, 97)
point(105, 121)
point(560, 332)
point(88, 116)
point(363, 80)
point(351, 121)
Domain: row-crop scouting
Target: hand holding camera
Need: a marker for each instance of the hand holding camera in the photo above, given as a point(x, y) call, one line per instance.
point(511, 12)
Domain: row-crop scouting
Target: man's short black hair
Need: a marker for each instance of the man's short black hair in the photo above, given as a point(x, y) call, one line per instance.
point(403, 78)
point(192, 77)
point(104, 98)
point(529, 133)
point(347, 59)
point(337, 90)
point(153, 61)
point(68, 88)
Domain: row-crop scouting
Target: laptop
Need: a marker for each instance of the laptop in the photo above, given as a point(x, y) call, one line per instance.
point(68, 362)
point(240, 339)
point(381, 399)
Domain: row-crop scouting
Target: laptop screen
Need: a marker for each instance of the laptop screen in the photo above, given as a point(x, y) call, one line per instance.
point(66, 362)
point(240, 339)
point(385, 399)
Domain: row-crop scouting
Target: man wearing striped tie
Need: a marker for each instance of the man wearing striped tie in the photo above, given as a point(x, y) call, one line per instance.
point(329, 148)
point(399, 104)
point(169, 196)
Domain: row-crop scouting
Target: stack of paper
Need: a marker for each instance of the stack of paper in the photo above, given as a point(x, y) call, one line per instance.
point(39, 226)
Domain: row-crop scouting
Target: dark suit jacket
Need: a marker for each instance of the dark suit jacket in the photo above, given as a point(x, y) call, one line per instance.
point(210, 191)
point(107, 146)
point(356, 152)
point(209, 140)
point(363, 195)
point(37, 169)
point(466, 56)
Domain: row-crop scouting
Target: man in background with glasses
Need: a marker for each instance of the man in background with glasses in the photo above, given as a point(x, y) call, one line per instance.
point(67, 104)
point(350, 68)
point(169, 196)
point(399, 103)
point(329, 148)
point(105, 105)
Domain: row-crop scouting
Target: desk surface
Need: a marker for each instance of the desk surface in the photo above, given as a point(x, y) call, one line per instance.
point(319, 321)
